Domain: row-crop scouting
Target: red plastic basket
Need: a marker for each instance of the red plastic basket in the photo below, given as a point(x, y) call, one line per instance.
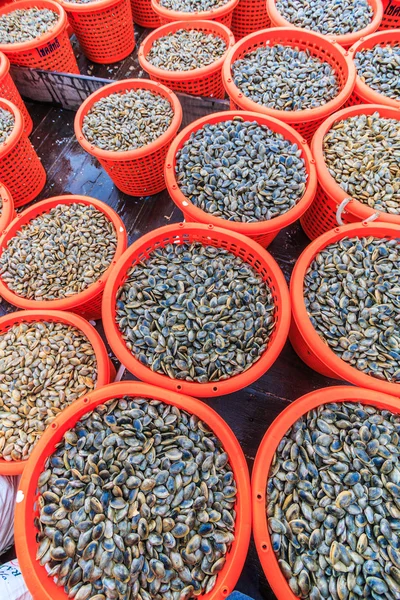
point(304, 338)
point(41, 586)
point(363, 94)
point(265, 455)
point(7, 213)
point(304, 121)
point(346, 40)
point(9, 91)
point(105, 370)
point(222, 14)
point(52, 51)
point(239, 245)
point(322, 215)
point(249, 16)
point(87, 303)
point(391, 14)
point(20, 168)
point(144, 15)
point(137, 172)
point(205, 81)
point(262, 232)
point(104, 28)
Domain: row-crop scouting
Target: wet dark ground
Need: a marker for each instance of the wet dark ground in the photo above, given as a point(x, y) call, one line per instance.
point(71, 171)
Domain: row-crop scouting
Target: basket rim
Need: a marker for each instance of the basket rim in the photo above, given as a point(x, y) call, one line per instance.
point(325, 179)
point(229, 574)
point(219, 30)
point(178, 15)
point(7, 212)
point(122, 86)
point(345, 40)
point(260, 227)
point(50, 34)
point(366, 93)
point(263, 460)
point(68, 318)
point(301, 319)
point(95, 288)
point(289, 116)
point(18, 129)
point(210, 389)
point(95, 6)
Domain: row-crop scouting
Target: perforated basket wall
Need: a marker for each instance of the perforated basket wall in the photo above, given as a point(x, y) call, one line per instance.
point(52, 51)
point(304, 121)
point(222, 14)
point(105, 33)
point(86, 304)
point(137, 172)
point(205, 81)
point(20, 168)
point(237, 244)
point(249, 16)
point(9, 91)
point(144, 15)
point(391, 15)
point(321, 216)
point(7, 212)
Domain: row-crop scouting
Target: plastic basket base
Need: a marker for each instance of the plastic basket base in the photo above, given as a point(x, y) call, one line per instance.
point(144, 15)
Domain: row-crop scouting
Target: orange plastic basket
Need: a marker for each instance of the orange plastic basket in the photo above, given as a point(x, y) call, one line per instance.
point(304, 338)
point(104, 28)
point(391, 14)
point(20, 168)
point(105, 370)
point(304, 121)
point(87, 303)
point(205, 81)
point(363, 94)
point(9, 91)
point(346, 40)
point(144, 15)
point(265, 454)
point(137, 172)
point(249, 16)
point(222, 14)
point(251, 252)
point(7, 213)
point(52, 51)
point(262, 232)
point(330, 199)
point(41, 586)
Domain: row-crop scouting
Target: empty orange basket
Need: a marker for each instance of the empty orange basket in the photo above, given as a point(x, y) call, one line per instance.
point(7, 212)
point(88, 302)
point(223, 14)
point(304, 121)
point(391, 14)
point(363, 94)
point(249, 16)
point(251, 252)
point(205, 81)
point(41, 586)
point(331, 201)
point(20, 168)
point(104, 28)
point(347, 40)
point(9, 91)
point(52, 51)
point(309, 346)
point(144, 15)
point(265, 454)
point(137, 172)
point(105, 369)
point(262, 232)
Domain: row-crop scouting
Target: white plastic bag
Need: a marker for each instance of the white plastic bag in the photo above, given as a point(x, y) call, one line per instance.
point(12, 584)
point(8, 491)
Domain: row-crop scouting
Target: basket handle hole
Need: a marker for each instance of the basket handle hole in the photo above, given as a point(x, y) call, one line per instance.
point(178, 387)
point(215, 389)
point(86, 400)
point(264, 547)
point(54, 425)
point(259, 496)
point(225, 591)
